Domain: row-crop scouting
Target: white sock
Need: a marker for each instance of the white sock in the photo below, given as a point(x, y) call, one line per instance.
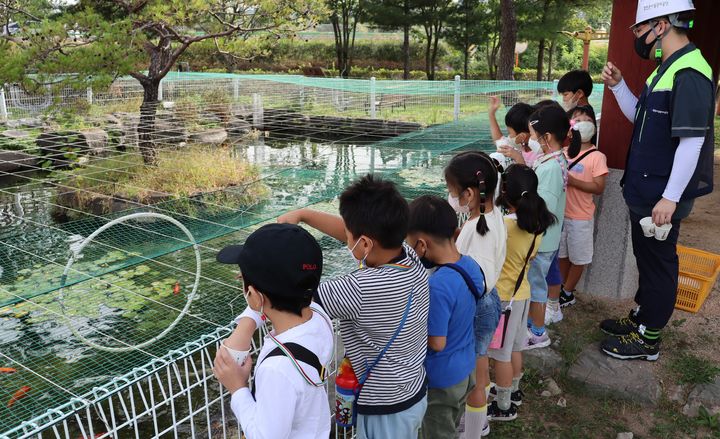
point(487, 392)
point(475, 421)
point(553, 304)
point(516, 383)
point(503, 397)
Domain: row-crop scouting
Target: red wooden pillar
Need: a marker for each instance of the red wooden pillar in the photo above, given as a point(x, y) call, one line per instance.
point(614, 127)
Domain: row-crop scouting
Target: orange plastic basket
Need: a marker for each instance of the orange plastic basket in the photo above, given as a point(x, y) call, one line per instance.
point(698, 272)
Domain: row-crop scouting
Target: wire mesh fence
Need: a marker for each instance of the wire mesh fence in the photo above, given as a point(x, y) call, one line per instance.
point(304, 140)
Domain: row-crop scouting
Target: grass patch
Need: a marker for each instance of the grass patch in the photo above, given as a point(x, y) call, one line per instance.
point(213, 174)
point(691, 369)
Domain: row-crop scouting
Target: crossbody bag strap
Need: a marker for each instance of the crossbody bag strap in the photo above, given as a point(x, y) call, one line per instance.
point(579, 159)
point(520, 278)
point(365, 376)
point(468, 280)
point(299, 353)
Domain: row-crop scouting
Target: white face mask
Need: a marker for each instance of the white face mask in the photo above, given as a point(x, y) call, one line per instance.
point(455, 204)
point(586, 130)
point(360, 262)
point(535, 146)
point(567, 106)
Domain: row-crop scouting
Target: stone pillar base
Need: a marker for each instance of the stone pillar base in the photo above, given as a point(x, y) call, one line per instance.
point(613, 272)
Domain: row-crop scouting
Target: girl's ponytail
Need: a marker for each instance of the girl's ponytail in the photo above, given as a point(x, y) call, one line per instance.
point(532, 213)
point(519, 191)
point(482, 227)
point(575, 143)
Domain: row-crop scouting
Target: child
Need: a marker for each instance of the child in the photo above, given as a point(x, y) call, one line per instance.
point(280, 265)
point(575, 88)
point(514, 148)
point(388, 294)
point(549, 127)
point(450, 361)
point(586, 177)
point(528, 219)
point(471, 179)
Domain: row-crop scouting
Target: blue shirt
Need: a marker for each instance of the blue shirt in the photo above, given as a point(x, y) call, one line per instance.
point(452, 315)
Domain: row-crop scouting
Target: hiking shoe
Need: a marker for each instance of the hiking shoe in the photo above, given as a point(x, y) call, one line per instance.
point(495, 414)
point(630, 347)
point(516, 397)
point(619, 327)
point(553, 316)
point(567, 298)
point(537, 341)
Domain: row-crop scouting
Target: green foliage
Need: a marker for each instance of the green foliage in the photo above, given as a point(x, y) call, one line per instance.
point(691, 369)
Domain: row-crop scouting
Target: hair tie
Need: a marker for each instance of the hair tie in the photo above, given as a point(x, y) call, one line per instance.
point(533, 122)
point(523, 194)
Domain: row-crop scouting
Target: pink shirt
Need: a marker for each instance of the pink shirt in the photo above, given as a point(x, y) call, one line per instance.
point(580, 205)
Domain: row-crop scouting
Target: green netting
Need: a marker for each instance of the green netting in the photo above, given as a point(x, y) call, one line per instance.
point(133, 280)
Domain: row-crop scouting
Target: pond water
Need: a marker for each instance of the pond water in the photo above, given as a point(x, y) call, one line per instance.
point(134, 280)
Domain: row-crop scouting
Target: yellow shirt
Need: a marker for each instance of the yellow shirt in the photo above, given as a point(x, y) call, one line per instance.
point(518, 245)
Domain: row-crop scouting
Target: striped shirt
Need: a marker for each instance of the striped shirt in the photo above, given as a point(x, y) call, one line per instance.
point(370, 304)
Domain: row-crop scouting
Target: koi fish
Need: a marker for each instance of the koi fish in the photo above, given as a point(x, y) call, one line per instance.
point(7, 370)
point(176, 288)
point(17, 396)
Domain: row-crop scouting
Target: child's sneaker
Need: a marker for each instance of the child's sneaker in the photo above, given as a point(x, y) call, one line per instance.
point(567, 298)
point(537, 341)
point(495, 414)
point(516, 397)
point(553, 315)
point(485, 431)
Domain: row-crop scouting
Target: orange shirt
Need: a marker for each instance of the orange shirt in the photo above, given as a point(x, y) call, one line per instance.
point(580, 205)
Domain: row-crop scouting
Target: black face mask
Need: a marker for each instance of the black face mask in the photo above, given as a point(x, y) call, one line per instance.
point(427, 263)
point(642, 48)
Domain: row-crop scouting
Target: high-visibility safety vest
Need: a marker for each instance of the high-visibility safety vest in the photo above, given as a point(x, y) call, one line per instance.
point(652, 150)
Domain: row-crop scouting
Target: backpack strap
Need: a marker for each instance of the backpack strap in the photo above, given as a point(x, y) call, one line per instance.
point(468, 280)
point(579, 159)
point(299, 353)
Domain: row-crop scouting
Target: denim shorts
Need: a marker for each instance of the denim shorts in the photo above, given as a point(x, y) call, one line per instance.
point(553, 275)
point(539, 267)
point(487, 316)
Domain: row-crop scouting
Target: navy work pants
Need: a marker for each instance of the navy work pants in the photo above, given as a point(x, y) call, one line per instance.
point(657, 263)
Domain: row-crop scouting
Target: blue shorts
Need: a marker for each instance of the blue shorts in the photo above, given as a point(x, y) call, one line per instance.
point(487, 316)
point(402, 425)
point(539, 267)
point(553, 276)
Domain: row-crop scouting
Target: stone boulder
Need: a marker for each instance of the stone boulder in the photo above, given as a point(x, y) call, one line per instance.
point(214, 136)
point(630, 379)
point(169, 131)
point(11, 161)
point(237, 127)
point(705, 395)
point(64, 148)
point(10, 135)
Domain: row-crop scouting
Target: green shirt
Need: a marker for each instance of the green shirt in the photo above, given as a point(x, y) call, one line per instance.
point(551, 187)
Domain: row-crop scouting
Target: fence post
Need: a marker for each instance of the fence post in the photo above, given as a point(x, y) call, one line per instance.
point(236, 89)
point(160, 91)
point(89, 95)
point(456, 110)
point(372, 98)
point(3, 105)
point(258, 115)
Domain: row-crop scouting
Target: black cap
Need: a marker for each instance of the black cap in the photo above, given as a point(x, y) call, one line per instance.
point(280, 259)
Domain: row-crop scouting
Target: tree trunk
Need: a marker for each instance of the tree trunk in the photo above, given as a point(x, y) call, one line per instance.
point(541, 59)
point(550, 60)
point(433, 61)
point(406, 41)
point(508, 37)
point(466, 42)
point(428, 45)
point(146, 127)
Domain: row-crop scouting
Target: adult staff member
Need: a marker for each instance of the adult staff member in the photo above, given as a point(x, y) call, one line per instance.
point(669, 164)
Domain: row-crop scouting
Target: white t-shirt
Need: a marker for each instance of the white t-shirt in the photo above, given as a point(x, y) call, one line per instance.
point(285, 405)
point(488, 250)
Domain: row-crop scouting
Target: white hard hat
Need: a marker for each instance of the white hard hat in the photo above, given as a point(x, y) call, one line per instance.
point(649, 9)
